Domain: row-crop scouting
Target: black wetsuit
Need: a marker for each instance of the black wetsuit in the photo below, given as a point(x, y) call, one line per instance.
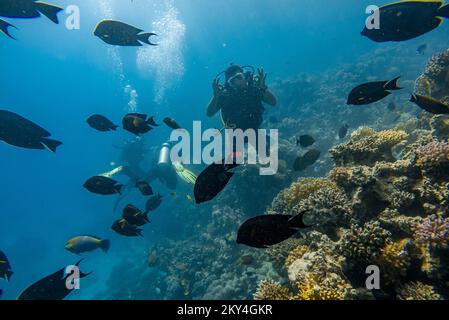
point(242, 110)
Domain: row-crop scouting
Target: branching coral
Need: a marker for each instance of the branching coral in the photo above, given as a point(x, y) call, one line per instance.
point(418, 291)
point(270, 290)
point(364, 243)
point(433, 232)
point(367, 147)
point(332, 288)
point(298, 191)
point(433, 158)
point(295, 254)
point(435, 79)
point(394, 259)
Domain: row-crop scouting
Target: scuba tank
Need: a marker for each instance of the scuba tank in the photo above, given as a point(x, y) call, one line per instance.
point(164, 155)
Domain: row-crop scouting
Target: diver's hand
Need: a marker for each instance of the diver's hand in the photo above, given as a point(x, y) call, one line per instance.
point(261, 78)
point(216, 87)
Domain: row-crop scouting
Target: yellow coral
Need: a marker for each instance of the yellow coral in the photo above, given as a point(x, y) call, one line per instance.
point(309, 288)
point(301, 189)
point(394, 260)
point(418, 291)
point(295, 254)
point(390, 138)
point(270, 290)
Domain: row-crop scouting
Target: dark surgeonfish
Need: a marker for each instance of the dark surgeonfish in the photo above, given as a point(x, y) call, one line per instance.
point(422, 49)
point(305, 141)
point(144, 188)
point(308, 159)
point(121, 34)
point(5, 267)
point(101, 123)
point(137, 123)
point(87, 243)
point(212, 181)
point(28, 9)
point(4, 27)
point(134, 216)
point(372, 92)
point(268, 230)
point(171, 123)
point(126, 229)
point(20, 132)
point(103, 185)
point(343, 131)
point(406, 20)
point(52, 287)
point(153, 203)
point(429, 104)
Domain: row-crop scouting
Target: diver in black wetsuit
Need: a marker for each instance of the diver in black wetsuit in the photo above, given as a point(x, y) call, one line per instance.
point(240, 100)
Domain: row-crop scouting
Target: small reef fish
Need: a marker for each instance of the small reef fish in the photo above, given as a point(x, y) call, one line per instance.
point(137, 123)
point(124, 228)
point(405, 20)
point(343, 131)
point(87, 243)
point(372, 92)
point(153, 203)
point(134, 216)
point(172, 124)
point(101, 123)
point(103, 185)
point(20, 132)
point(429, 104)
point(144, 188)
point(308, 159)
point(422, 49)
point(5, 267)
point(52, 287)
point(212, 181)
point(305, 141)
point(122, 34)
point(268, 230)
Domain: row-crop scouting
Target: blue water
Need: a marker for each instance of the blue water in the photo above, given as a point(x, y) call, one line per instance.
point(57, 77)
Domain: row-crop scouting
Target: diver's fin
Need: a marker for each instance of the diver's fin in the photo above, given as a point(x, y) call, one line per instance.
point(444, 11)
point(105, 245)
point(298, 221)
point(51, 144)
point(145, 38)
point(48, 10)
point(393, 85)
point(4, 28)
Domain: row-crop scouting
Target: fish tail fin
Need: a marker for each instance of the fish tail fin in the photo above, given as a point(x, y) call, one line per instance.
point(4, 28)
point(145, 38)
point(393, 84)
point(119, 188)
point(114, 127)
point(105, 245)
point(9, 274)
point(139, 232)
point(51, 144)
point(49, 10)
point(298, 220)
point(444, 11)
point(146, 217)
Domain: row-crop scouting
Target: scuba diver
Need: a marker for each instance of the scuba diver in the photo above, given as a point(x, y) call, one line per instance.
point(240, 100)
point(132, 155)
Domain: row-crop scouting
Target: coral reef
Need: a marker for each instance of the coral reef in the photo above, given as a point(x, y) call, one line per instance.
point(367, 147)
point(270, 290)
point(418, 291)
point(433, 158)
